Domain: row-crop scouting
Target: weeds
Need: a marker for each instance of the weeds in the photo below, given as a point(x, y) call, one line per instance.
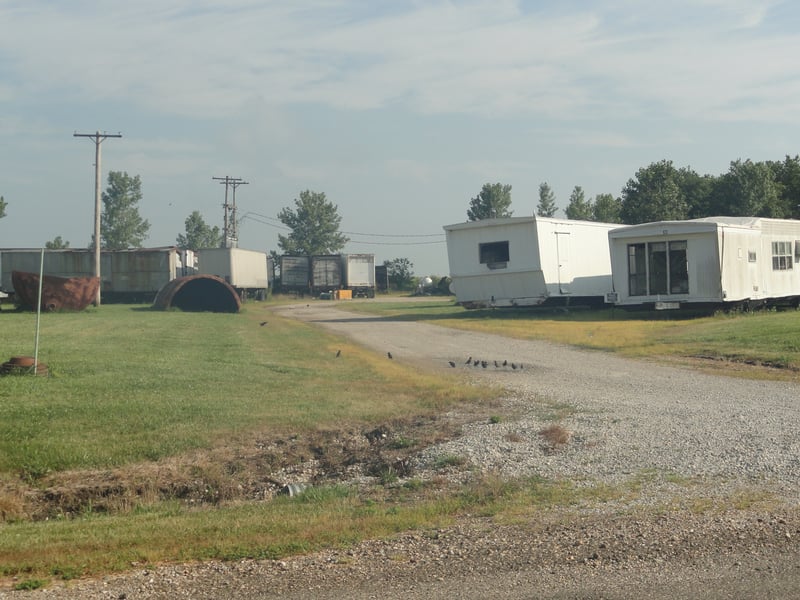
point(555, 436)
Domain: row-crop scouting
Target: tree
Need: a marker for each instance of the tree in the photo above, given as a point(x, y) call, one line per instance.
point(748, 189)
point(198, 234)
point(120, 224)
point(3, 205)
point(697, 192)
point(579, 208)
point(491, 203)
point(787, 175)
point(654, 195)
point(314, 224)
point(56, 244)
point(606, 209)
point(547, 201)
point(400, 272)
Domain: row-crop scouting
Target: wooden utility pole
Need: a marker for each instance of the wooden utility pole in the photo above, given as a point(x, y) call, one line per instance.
point(230, 233)
point(98, 140)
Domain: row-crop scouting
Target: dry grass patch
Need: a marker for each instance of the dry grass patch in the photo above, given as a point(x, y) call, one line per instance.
point(555, 436)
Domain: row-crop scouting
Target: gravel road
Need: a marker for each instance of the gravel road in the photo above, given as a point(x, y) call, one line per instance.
point(713, 465)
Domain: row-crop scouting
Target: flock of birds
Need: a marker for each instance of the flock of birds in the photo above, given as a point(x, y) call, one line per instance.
point(485, 364)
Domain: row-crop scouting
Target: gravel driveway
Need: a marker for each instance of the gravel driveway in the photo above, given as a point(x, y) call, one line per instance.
point(681, 435)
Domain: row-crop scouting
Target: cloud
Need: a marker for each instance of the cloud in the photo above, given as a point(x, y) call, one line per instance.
point(711, 60)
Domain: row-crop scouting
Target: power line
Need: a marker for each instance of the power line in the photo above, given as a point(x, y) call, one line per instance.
point(380, 235)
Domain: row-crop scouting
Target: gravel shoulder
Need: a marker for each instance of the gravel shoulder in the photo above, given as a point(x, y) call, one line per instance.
point(684, 437)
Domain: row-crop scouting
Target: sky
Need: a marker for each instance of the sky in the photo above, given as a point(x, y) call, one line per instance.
point(398, 111)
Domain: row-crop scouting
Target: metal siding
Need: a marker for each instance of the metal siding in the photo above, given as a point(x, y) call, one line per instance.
point(359, 270)
point(295, 272)
point(532, 270)
point(326, 272)
point(243, 269)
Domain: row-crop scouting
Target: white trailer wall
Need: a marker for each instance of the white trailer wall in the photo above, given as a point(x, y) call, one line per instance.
point(520, 261)
point(243, 269)
point(728, 259)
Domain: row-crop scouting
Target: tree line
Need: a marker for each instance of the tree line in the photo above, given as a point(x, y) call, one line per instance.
point(663, 192)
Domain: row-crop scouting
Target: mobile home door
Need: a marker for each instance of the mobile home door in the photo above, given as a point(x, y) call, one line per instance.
point(562, 255)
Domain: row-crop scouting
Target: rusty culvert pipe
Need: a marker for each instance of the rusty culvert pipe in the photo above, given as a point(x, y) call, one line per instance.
point(198, 293)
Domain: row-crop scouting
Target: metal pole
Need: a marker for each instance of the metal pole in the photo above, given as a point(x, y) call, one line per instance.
point(98, 139)
point(38, 315)
point(97, 213)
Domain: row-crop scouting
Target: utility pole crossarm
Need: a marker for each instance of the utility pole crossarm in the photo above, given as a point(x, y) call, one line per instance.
point(230, 234)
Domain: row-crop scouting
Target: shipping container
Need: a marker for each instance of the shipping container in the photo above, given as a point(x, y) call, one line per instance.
point(295, 273)
point(381, 278)
point(131, 275)
point(244, 270)
point(359, 274)
point(326, 273)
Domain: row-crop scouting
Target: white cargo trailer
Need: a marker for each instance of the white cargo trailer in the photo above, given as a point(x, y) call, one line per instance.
point(710, 261)
point(359, 274)
point(244, 270)
point(527, 261)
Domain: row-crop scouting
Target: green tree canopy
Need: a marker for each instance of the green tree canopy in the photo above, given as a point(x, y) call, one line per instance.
point(547, 201)
point(654, 195)
point(579, 208)
point(492, 202)
point(198, 234)
point(787, 175)
point(400, 272)
point(606, 209)
point(3, 205)
point(56, 244)
point(748, 189)
point(121, 226)
point(314, 225)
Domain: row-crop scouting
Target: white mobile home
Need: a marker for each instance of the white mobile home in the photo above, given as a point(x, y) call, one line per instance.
point(526, 261)
point(709, 261)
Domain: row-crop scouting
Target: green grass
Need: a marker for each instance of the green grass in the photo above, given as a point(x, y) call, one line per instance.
point(130, 385)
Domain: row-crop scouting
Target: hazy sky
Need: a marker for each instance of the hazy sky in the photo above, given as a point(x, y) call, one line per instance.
point(399, 111)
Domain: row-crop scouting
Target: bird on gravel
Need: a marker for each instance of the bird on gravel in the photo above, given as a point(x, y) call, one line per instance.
point(505, 363)
point(469, 361)
point(484, 364)
point(389, 354)
point(263, 323)
point(514, 366)
point(496, 366)
point(452, 364)
point(338, 353)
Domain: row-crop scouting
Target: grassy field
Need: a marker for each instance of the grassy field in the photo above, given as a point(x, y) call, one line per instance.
point(134, 392)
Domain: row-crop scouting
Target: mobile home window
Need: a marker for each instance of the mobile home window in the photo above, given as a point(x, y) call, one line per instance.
point(781, 256)
point(493, 253)
point(637, 270)
point(678, 268)
point(658, 268)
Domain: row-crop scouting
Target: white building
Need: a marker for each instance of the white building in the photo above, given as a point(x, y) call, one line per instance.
point(526, 261)
point(715, 260)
